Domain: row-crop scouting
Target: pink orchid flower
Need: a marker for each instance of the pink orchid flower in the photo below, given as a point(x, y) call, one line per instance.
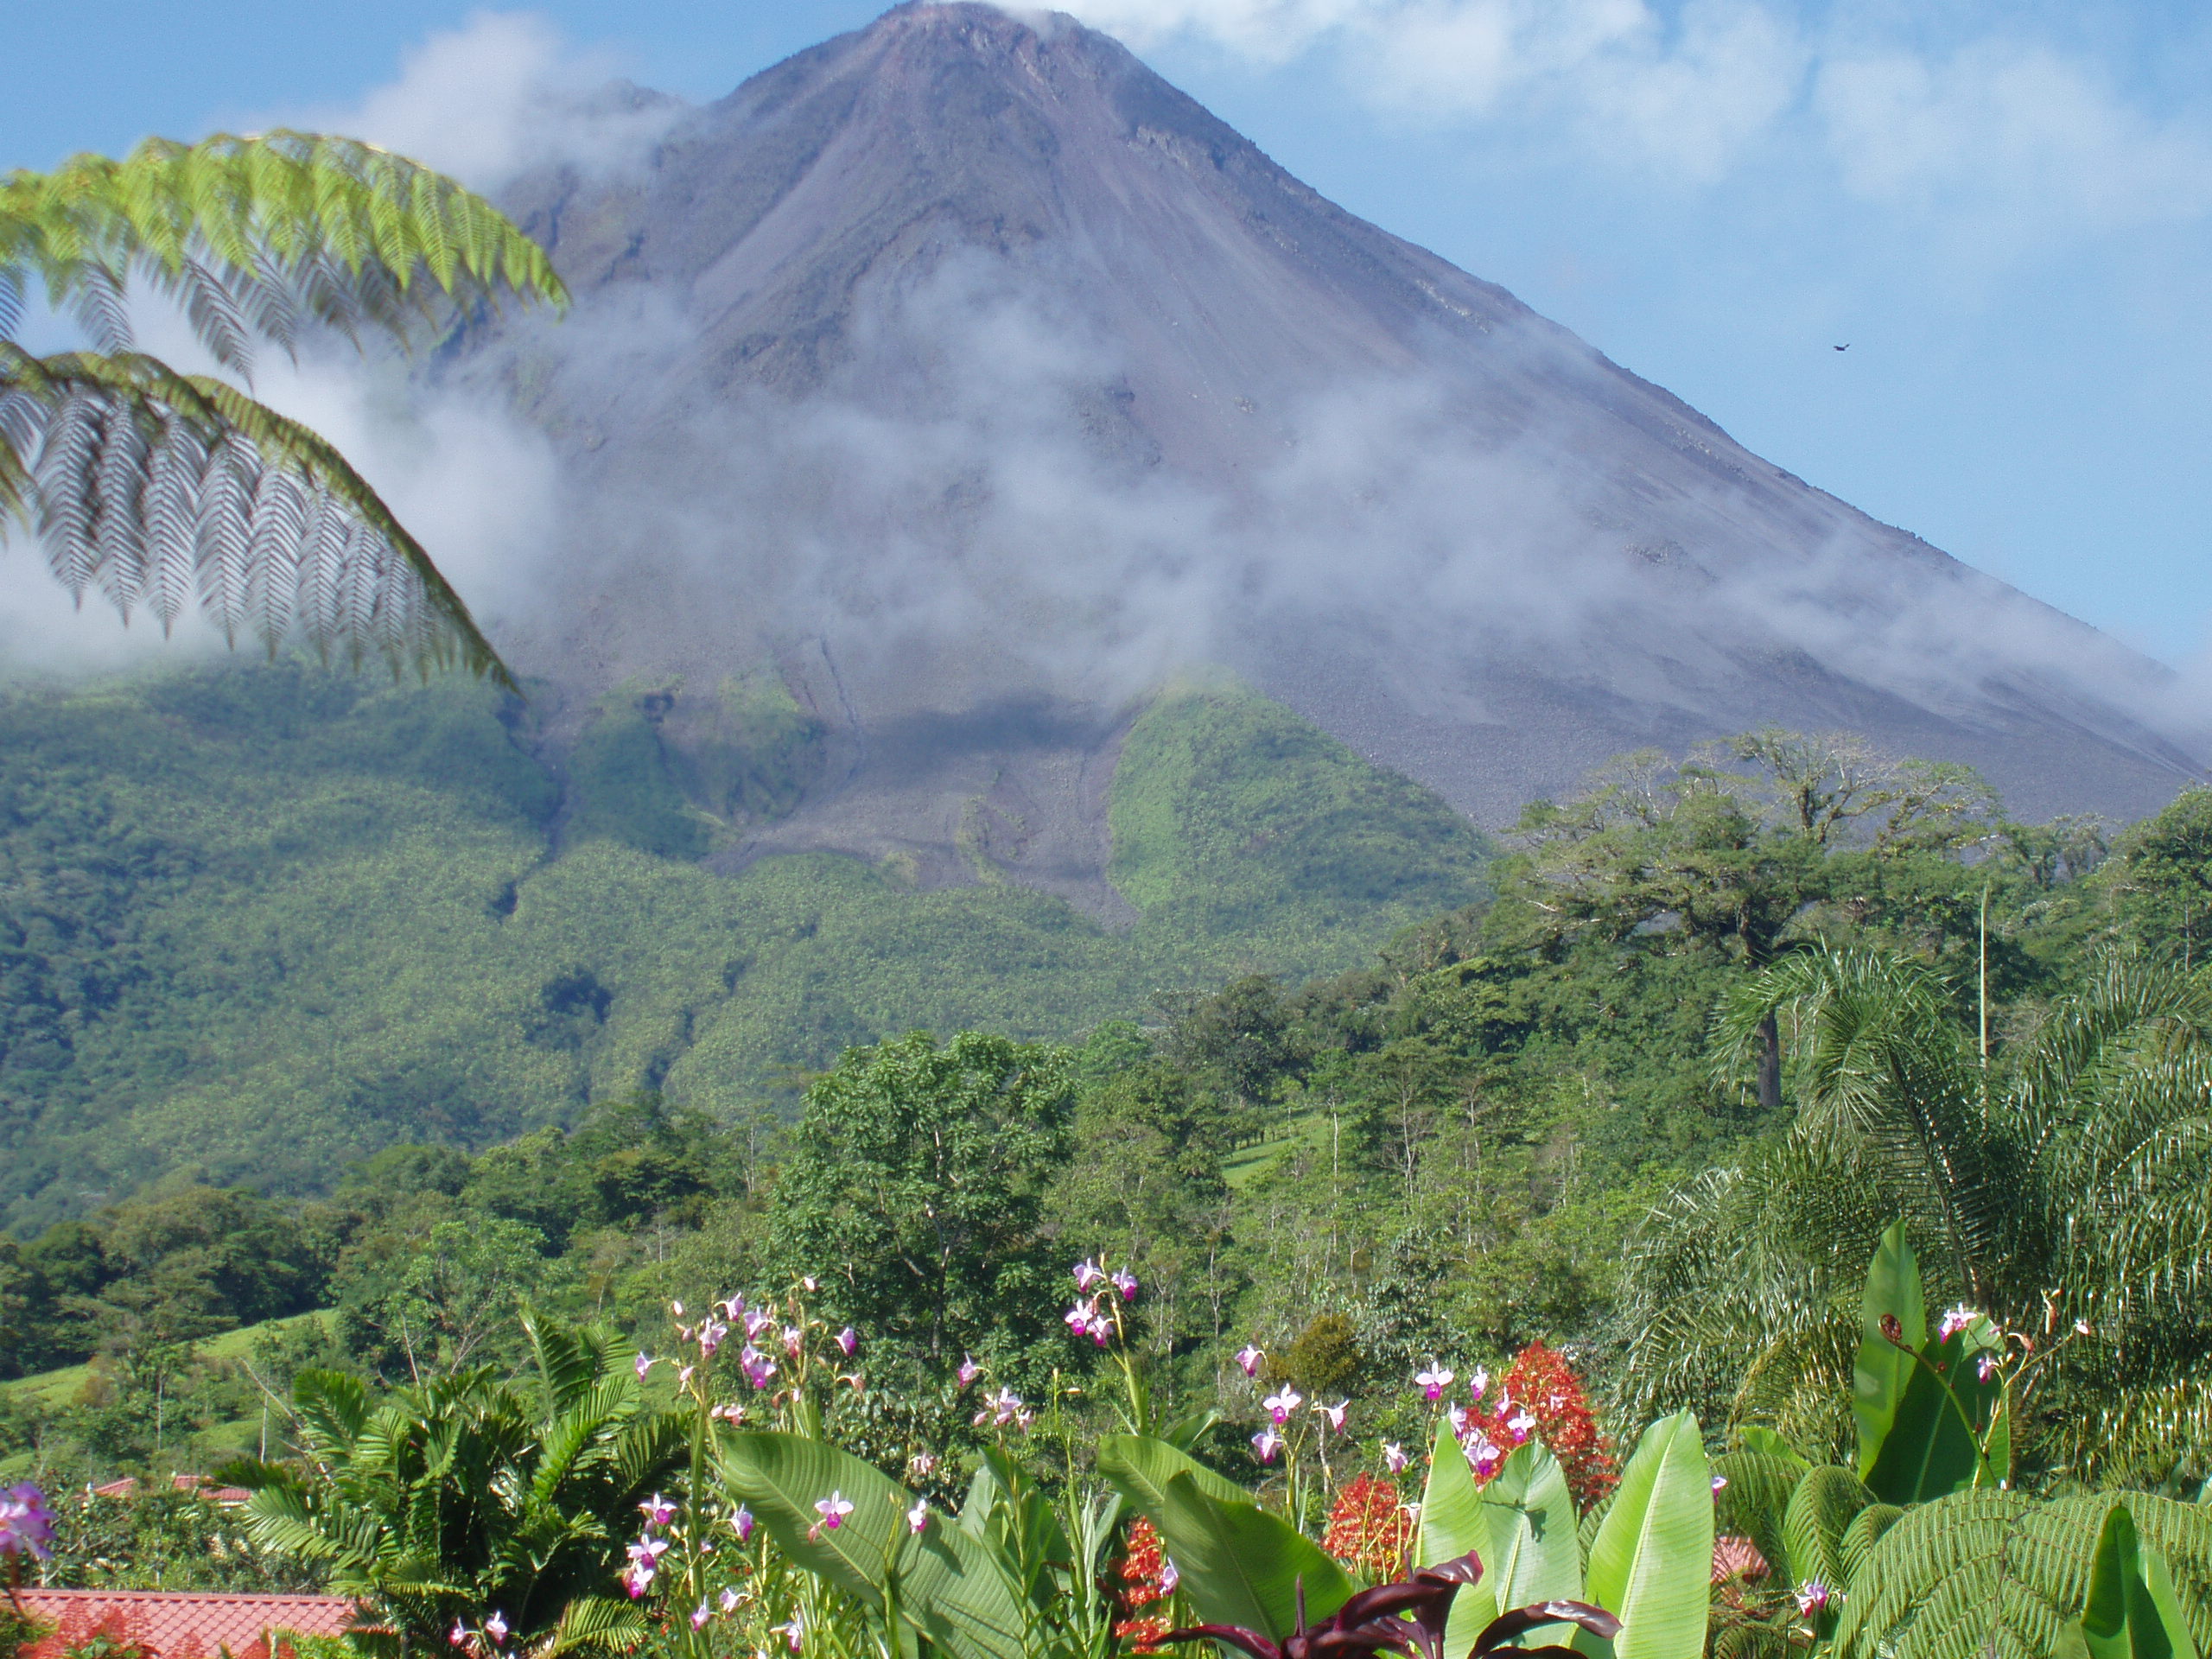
point(657, 1510)
point(731, 1600)
point(1267, 1443)
point(1126, 1282)
point(1087, 1273)
point(1955, 1320)
point(1394, 1456)
point(1250, 1358)
point(919, 1516)
point(1334, 1413)
point(1282, 1404)
point(699, 1616)
point(970, 1370)
point(1432, 1381)
point(833, 1510)
point(1478, 1383)
point(741, 1523)
point(644, 1363)
point(849, 1340)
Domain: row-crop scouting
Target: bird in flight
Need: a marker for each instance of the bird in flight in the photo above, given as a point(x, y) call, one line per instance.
point(1845, 346)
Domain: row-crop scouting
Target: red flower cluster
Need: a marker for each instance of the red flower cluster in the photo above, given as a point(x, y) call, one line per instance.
point(1370, 1530)
point(1142, 1572)
point(1540, 1382)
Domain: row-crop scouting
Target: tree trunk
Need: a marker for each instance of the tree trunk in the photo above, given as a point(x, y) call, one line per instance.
point(1769, 1064)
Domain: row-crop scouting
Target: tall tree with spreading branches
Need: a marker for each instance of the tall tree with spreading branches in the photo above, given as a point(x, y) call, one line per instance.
point(165, 489)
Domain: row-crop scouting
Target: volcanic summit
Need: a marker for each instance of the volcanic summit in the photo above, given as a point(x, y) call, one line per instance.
point(967, 375)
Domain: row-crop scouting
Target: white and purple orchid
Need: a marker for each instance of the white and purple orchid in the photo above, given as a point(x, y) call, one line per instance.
point(730, 1599)
point(700, 1615)
point(1955, 1321)
point(833, 1510)
point(1394, 1457)
point(741, 1523)
point(1520, 1425)
point(1282, 1403)
point(1248, 1359)
point(848, 1340)
point(1432, 1381)
point(1334, 1415)
point(1267, 1443)
point(1170, 1576)
point(919, 1516)
point(644, 1363)
point(1126, 1282)
point(1813, 1597)
point(968, 1371)
point(1087, 1273)
point(710, 1338)
point(496, 1627)
point(657, 1510)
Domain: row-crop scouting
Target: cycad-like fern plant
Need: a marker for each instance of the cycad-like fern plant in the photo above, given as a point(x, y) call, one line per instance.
point(469, 1499)
point(2072, 1182)
point(166, 489)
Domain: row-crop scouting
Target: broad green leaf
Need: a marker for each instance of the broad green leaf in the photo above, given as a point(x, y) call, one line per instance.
point(1452, 1521)
point(2131, 1612)
point(1652, 1558)
point(1529, 1549)
point(1754, 1437)
point(1885, 1369)
point(1141, 1468)
point(945, 1584)
point(1239, 1565)
point(1184, 1432)
point(1930, 1450)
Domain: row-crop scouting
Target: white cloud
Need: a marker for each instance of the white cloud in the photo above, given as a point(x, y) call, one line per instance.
point(2008, 129)
point(1999, 127)
point(505, 93)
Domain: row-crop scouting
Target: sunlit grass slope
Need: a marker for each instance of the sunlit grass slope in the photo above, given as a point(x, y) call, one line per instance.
point(262, 920)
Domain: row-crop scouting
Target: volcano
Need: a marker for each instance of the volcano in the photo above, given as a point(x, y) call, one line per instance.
point(974, 380)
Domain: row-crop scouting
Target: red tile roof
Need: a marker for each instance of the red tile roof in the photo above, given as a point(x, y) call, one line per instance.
point(177, 1625)
point(227, 1496)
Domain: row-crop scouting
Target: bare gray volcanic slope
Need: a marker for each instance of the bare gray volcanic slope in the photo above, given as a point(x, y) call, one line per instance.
point(981, 380)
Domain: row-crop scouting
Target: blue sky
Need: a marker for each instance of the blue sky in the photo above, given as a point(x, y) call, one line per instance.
point(2004, 210)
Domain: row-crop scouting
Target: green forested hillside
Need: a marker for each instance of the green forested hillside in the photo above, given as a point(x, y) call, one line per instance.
point(261, 921)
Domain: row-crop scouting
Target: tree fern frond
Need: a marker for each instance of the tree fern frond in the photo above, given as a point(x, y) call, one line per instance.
point(98, 422)
point(1995, 1572)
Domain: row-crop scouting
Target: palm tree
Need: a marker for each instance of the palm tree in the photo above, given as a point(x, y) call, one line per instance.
point(2071, 1182)
point(162, 488)
point(467, 1497)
